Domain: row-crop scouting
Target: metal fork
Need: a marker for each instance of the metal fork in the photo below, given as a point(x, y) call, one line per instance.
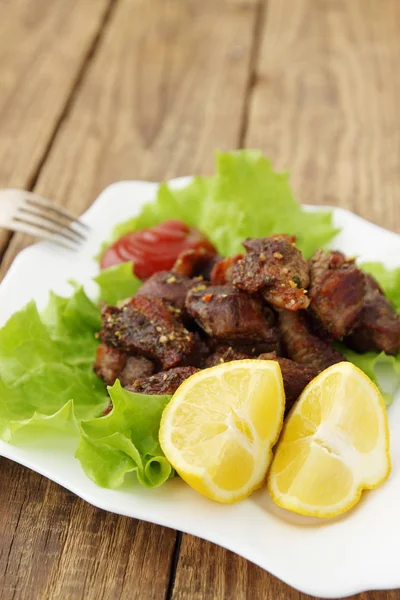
point(29, 213)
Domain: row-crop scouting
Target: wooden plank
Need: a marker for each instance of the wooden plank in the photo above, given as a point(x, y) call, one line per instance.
point(43, 46)
point(207, 571)
point(166, 86)
point(166, 89)
point(325, 105)
point(54, 545)
point(325, 102)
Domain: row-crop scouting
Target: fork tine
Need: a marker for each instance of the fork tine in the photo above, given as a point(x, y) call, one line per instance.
point(41, 226)
point(46, 218)
point(39, 202)
point(34, 231)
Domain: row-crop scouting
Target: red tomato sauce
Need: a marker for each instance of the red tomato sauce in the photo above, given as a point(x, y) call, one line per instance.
point(156, 248)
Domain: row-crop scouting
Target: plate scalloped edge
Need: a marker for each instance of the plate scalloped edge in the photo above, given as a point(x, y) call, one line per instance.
point(355, 553)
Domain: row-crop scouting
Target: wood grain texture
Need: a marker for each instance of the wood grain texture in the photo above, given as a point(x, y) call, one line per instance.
point(326, 99)
point(54, 545)
point(166, 88)
point(42, 49)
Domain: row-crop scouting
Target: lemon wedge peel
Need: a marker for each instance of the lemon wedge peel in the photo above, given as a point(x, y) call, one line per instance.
point(333, 440)
point(219, 428)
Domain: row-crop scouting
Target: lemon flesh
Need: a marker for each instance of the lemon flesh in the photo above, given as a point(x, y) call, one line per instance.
point(334, 444)
point(219, 427)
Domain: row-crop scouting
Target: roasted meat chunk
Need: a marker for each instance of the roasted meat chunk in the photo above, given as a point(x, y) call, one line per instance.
point(148, 327)
point(194, 263)
point(168, 286)
point(165, 382)
point(302, 345)
point(201, 350)
point(229, 315)
point(277, 269)
point(136, 367)
point(222, 272)
point(109, 363)
point(379, 324)
point(336, 293)
point(295, 377)
point(224, 354)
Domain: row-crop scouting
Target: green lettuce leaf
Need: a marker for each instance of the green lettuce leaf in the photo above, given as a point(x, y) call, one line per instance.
point(46, 360)
point(47, 382)
point(245, 198)
point(117, 283)
point(382, 369)
point(125, 440)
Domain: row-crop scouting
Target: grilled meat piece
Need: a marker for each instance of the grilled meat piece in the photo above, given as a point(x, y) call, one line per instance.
point(336, 292)
point(168, 286)
point(276, 268)
point(136, 367)
point(194, 263)
point(109, 363)
point(303, 346)
point(201, 350)
point(225, 354)
point(149, 327)
point(379, 324)
point(165, 382)
point(222, 272)
point(229, 315)
point(295, 377)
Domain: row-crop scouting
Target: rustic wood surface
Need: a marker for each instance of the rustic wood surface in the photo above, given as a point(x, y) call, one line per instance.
point(101, 90)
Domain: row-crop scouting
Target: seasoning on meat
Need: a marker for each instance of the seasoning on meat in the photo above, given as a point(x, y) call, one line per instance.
point(222, 272)
point(295, 377)
point(195, 262)
point(225, 354)
point(230, 314)
point(149, 327)
point(337, 292)
point(379, 324)
point(109, 363)
point(276, 268)
point(165, 382)
point(303, 346)
point(169, 286)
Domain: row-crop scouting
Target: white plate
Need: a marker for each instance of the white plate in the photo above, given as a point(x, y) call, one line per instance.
point(357, 552)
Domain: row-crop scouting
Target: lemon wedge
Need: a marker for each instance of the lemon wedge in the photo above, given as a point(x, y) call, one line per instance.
point(219, 427)
point(334, 444)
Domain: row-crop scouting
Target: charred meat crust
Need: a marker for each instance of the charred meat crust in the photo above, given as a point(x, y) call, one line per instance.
point(274, 267)
point(148, 327)
point(379, 324)
point(109, 363)
point(303, 346)
point(165, 382)
point(225, 354)
point(168, 286)
point(337, 292)
point(222, 272)
point(196, 262)
point(227, 314)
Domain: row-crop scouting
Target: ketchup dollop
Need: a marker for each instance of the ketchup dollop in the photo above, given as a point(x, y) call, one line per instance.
point(156, 248)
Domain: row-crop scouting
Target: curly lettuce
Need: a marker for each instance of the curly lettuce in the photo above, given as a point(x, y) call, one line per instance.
point(245, 198)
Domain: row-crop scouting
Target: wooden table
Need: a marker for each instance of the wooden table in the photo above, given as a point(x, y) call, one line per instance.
point(93, 91)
